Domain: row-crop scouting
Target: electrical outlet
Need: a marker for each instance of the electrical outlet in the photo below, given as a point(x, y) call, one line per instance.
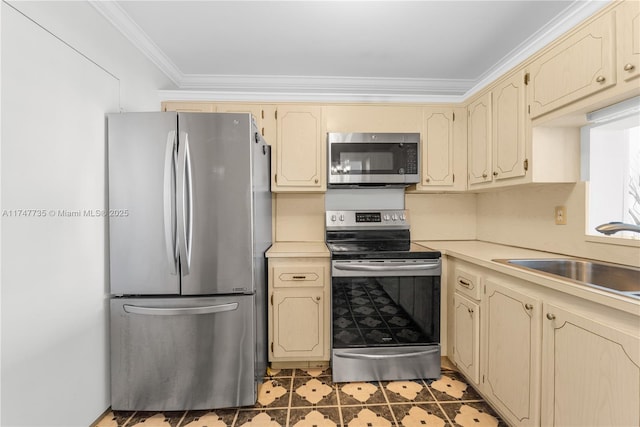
point(561, 215)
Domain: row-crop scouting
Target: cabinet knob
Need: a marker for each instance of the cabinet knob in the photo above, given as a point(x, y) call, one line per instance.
point(600, 79)
point(315, 180)
point(629, 67)
point(318, 298)
point(495, 174)
point(528, 306)
point(470, 310)
point(551, 316)
point(484, 175)
point(427, 179)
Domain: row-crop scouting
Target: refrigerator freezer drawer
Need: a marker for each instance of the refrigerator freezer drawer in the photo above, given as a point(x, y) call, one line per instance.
point(183, 353)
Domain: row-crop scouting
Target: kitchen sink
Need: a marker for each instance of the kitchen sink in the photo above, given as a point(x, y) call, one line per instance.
point(611, 277)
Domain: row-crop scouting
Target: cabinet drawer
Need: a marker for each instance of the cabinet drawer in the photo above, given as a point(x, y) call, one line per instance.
point(297, 276)
point(468, 282)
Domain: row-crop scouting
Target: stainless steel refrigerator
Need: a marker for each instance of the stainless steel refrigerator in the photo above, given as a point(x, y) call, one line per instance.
point(189, 224)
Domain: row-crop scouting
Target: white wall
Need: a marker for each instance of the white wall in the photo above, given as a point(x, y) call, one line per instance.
point(63, 68)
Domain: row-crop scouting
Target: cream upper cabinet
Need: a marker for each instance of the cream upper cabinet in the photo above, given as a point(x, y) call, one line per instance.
point(512, 349)
point(299, 150)
point(189, 106)
point(443, 149)
point(509, 122)
point(299, 310)
point(479, 140)
point(373, 118)
point(628, 40)
point(578, 66)
point(255, 110)
point(590, 370)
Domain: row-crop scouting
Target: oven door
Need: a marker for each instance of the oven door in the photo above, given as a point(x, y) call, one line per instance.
point(385, 319)
point(373, 163)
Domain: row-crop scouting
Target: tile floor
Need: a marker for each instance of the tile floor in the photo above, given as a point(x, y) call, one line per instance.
point(308, 398)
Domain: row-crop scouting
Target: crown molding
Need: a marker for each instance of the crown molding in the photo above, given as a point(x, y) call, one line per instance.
point(113, 13)
point(336, 88)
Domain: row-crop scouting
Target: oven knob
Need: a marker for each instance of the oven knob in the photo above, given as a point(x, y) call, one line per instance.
point(333, 218)
point(341, 217)
point(386, 217)
point(394, 217)
point(402, 217)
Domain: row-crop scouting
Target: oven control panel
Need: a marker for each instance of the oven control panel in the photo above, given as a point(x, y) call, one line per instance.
point(368, 218)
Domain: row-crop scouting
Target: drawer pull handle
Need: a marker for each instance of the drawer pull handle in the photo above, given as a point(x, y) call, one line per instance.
point(299, 277)
point(629, 67)
point(551, 316)
point(465, 284)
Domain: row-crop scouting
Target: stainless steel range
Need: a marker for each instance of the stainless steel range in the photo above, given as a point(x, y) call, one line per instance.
point(385, 298)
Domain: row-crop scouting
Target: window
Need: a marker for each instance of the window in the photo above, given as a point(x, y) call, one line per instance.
point(613, 168)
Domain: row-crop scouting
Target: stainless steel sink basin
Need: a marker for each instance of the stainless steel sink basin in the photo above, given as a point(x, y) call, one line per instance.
point(611, 277)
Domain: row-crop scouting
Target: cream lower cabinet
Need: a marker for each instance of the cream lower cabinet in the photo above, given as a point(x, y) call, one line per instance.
point(466, 346)
point(512, 352)
point(590, 371)
point(298, 310)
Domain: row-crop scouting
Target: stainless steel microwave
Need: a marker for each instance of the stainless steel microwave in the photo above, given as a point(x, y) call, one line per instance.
point(373, 159)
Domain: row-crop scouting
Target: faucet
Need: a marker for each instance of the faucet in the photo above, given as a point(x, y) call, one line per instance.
point(613, 227)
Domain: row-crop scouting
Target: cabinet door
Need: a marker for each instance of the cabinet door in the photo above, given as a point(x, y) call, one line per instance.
point(590, 372)
point(189, 107)
point(628, 41)
point(512, 353)
point(466, 347)
point(580, 65)
point(437, 147)
point(508, 113)
point(298, 323)
point(479, 141)
point(299, 149)
point(256, 111)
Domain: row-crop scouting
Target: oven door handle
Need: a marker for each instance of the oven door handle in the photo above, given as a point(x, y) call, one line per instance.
point(376, 267)
point(366, 356)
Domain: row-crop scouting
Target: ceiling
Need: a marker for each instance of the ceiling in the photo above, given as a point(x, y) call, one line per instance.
point(402, 49)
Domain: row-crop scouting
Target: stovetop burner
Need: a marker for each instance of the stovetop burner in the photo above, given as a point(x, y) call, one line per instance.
point(372, 235)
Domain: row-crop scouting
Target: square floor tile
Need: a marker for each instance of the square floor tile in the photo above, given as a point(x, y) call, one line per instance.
point(406, 391)
point(423, 414)
point(274, 393)
point(361, 393)
point(309, 391)
point(369, 415)
point(211, 418)
point(262, 418)
point(452, 386)
point(115, 419)
point(315, 417)
point(472, 414)
point(156, 419)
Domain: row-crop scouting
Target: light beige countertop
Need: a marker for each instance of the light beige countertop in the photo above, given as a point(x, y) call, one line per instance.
point(298, 250)
point(483, 253)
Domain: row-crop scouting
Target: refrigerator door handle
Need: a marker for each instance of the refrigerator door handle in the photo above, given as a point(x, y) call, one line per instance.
point(169, 202)
point(185, 203)
point(178, 311)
